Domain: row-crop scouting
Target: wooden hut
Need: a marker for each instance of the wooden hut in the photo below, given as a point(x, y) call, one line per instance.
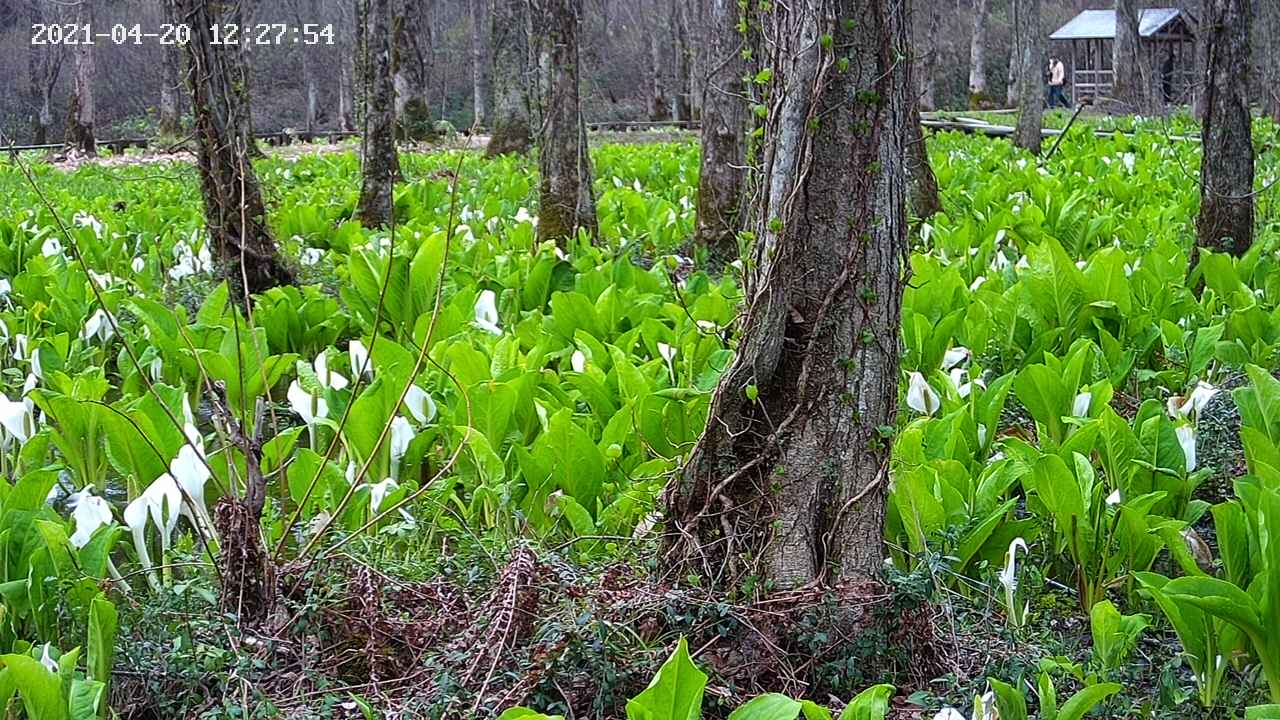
point(1166, 37)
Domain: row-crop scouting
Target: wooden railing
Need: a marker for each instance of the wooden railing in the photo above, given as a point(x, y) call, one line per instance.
point(1091, 84)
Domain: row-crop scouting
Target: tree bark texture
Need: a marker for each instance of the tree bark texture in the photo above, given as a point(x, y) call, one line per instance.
point(927, 78)
point(1226, 168)
point(234, 214)
point(978, 56)
point(721, 179)
point(170, 81)
point(44, 65)
point(79, 133)
point(567, 201)
point(512, 79)
point(789, 480)
point(1269, 16)
point(682, 64)
point(658, 109)
point(481, 73)
point(1028, 47)
point(924, 200)
point(1132, 77)
point(380, 164)
point(1201, 82)
point(411, 71)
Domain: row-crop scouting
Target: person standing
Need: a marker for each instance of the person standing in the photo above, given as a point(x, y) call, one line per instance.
point(1057, 77)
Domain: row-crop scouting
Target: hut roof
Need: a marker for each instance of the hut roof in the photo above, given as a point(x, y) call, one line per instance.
point(1101, 24)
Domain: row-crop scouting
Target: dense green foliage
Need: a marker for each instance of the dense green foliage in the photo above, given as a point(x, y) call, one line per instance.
point(453, 378)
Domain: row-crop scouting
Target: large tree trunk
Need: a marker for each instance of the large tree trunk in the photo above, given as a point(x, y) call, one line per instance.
point(511, 132)
point(170, 80)
point(234, 214)
point(1029, 49)
point(1226, 169)
point(410, 71)
point(1269, 13)
point(80, 117)
point(567, 200)
point(379, 160)
point(978, 57)
point(788, 482)
point(482, 89)
point(724, 125)
point(1132, 77)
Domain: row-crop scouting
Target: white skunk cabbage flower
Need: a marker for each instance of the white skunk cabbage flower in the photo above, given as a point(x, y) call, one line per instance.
point(51, 246)
point(17, 419)
point(920, 396)
point(948, 713)
point(1080, 407)
point(420, 405)
point(310, 256)
point(1114, 498)
point(1009, 579)
point(359, 355)
point(578, 361)
point(100, 326)
point(487, 312)
point(159, 503)
point(1187, 439)
point(47, 660)
point(522, 216)
point(1190, 407)
point(138, 265)
point(379, 491)
point(402, 433)
point(668, 354)
point(328, 378)
point(306, 406)
point(89, 512)
point(188, 468)
point(955, 356)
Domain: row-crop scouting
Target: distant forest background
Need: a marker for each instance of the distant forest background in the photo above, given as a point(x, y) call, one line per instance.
point(436, 56)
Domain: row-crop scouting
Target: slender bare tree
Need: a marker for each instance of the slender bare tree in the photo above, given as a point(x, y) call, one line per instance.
point(927, 78)
point(789, 480)
point(481, 59)
point(80, 133)
point(379, 161)
point(44, 66)
point(1028, 47)
point(1269, 15)
point(1132, 76)
point(1225, 222)
point(724, 126)
point(170, 80)
point(567, 201)
point(234, 213)
point(658, 27)
point(512, 77)
point(978, 96)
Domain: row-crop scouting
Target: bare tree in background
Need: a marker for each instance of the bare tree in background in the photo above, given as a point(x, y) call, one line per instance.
point(1028, 47)
point(234, 214)
point(481, 59)
point(978, 56)
point(1132, 76)
point(658, 26)
point(789, 480)
point(380, 162)
point(303, 11)
point(724, 125)
point(346, 84)
point(927, 78)
point(682, 62)
point(1269, 15)
point(79, 133)
point(1226, 168)
point(411, 68)
point(512, 131)
point(44, 65)
point(170, 80)
point(566, 199)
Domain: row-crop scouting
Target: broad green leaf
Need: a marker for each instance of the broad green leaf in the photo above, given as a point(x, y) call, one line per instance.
point(772, 706)
point(675, 692)
point(870, 704)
